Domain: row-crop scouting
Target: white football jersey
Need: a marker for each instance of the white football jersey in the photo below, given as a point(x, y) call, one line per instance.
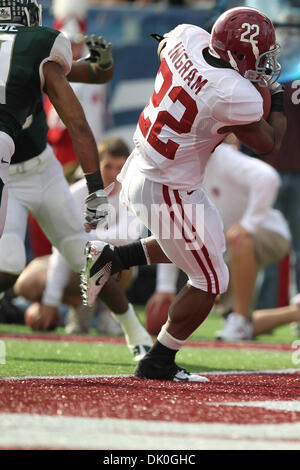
point(177, 131)
point(93, 99)
point(243, 189)
point(61, 53)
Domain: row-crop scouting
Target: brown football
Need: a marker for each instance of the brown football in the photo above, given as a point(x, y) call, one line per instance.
point(154, 321)
point(32, 316)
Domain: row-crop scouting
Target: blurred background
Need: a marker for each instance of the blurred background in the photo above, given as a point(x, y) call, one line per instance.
point(128, 25)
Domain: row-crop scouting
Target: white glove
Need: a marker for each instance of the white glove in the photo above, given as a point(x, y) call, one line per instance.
point(97, 209)
point(100, 52)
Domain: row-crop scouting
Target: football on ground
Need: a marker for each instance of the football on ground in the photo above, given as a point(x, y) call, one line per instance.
point(156, 318)
point(32, 317)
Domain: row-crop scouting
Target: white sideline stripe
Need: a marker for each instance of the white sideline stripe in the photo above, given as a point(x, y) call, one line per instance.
point(53, 377)
point(269, 405)
point(53, 432)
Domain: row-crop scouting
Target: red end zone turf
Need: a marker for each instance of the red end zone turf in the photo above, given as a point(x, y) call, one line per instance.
point(222, 400)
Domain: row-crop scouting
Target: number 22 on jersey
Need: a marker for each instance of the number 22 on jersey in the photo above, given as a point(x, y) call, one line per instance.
point(151, 130)
point(6, 48)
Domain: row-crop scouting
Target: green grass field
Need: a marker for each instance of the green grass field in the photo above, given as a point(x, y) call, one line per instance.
point(57, 358)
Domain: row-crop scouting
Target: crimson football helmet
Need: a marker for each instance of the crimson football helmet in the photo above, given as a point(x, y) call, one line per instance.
point(245, 38)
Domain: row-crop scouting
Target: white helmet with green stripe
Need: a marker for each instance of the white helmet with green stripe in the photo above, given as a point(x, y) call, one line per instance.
point(24, 12)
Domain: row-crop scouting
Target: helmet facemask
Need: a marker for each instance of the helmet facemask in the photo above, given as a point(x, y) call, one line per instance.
point(267, 68)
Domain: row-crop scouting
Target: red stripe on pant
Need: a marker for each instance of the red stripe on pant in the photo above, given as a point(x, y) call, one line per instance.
point(203, 249)
point(195, 253)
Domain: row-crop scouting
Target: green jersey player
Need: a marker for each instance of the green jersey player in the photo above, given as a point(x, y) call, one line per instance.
point(33, 59)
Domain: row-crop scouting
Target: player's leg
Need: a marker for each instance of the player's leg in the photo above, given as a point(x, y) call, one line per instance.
point(243, 270)
point(203, 263)
point(137, 338)
point(12, 242)
point(9, 267)
point(6, 152)
point(113, 296)
point(31, 282)
point(200, 255)
point(266, 246)
point(62, 222)
point(243, 266)
point(266, 320)
point(59, 216)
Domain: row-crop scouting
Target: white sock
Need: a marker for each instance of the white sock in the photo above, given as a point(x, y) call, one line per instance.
point(168, 340)
point(134, 332)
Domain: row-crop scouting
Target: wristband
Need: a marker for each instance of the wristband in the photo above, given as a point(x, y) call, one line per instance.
point(94, 181)
point(92, 74)
point(277, 103)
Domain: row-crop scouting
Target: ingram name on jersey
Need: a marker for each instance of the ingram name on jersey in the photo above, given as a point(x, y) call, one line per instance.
point(177, 131)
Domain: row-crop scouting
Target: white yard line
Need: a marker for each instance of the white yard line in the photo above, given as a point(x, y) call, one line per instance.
point(268, 405)
point(34, 377)
point(53, 432)
point(35, 431)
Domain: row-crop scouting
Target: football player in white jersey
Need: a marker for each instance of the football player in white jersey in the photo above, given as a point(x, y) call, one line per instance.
point(243, 189)
point(203, 91)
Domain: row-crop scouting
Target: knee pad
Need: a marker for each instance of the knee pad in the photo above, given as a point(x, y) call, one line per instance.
point(72, 248)
point(12, 254)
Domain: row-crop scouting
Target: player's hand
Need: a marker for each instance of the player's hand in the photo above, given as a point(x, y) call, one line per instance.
point(100, 52)
point(97, 208)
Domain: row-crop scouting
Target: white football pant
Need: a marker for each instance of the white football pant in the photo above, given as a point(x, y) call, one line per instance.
point(38, 186)
point(7, 149)
point(187, 226)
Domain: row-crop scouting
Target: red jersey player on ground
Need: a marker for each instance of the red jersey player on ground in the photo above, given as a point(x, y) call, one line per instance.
point(203, 91)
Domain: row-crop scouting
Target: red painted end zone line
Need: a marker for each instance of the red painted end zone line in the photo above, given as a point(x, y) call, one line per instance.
point(109, 340)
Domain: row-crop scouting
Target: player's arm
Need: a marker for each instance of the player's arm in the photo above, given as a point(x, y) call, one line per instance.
point(61, 95)
point(71, 113)
point(85, 72)
point(264, 137)
point(98, 67)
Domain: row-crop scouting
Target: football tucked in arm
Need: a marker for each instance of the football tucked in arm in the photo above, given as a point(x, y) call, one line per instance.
point(266, 96)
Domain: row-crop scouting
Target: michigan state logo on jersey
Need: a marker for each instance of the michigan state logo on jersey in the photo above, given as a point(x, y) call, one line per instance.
point(5, 14)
